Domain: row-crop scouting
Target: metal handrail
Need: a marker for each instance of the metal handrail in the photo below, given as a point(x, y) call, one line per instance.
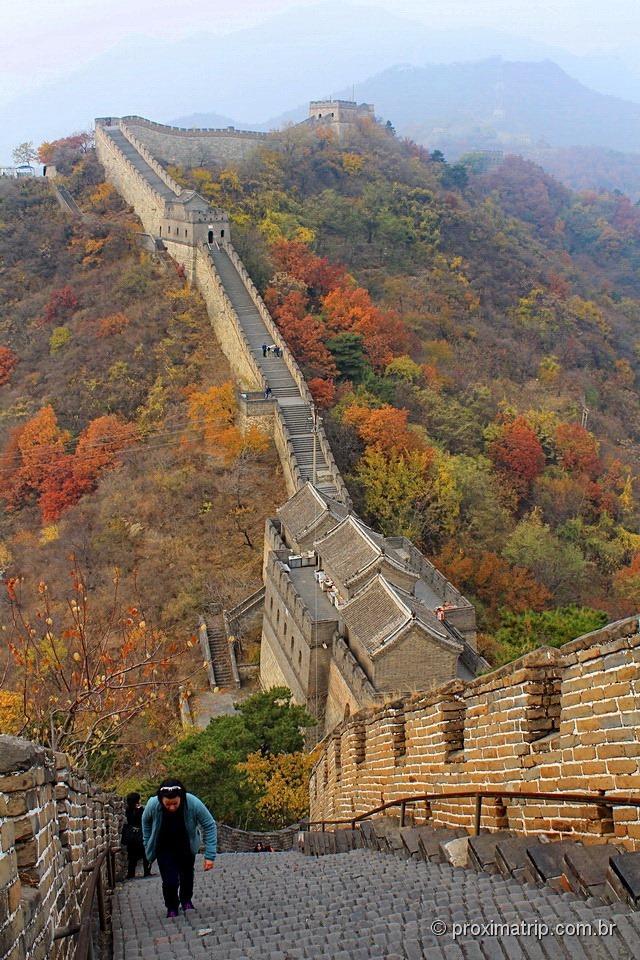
point(478, 795)
point(83, 928)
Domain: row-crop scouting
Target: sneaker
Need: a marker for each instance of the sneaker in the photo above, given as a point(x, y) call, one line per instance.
point(172, 913)
point(188, 906)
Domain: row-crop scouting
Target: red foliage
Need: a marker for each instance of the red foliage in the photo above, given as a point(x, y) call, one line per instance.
point(518, 454)
point(323, 392)
point(8, 362)
point(296, 259)
point(35, 461)
point(351, 309)
point(62, 304)
point(306, 339)
point(578, 450)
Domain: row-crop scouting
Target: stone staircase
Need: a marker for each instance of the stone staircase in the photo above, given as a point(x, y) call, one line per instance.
point(296, 413)
point(603, 873)
point(137, 160)
point(363, 905)
point(219, 647)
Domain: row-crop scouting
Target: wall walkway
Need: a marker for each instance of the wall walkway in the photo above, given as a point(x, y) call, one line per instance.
point(238, 314)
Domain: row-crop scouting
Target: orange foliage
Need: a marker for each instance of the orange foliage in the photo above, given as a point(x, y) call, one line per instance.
point(113, 324)
point(492, 580)
point(36, 462)
point(8, 362)
point(351, 309)
point(213, 412)
point(385, 429)
point(577, 449)
point(323, 392)
point(296, 259)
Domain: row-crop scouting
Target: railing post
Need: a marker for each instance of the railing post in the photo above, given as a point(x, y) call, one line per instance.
point(478, 815)
point(403, 811)
point(101, 911)
point(323, 826)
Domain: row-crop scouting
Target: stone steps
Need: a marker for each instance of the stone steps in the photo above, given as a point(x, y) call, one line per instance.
point(219, 647)
point(363, 905)
point(601, 872)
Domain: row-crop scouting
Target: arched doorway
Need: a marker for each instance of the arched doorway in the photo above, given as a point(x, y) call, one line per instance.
point(210, 236)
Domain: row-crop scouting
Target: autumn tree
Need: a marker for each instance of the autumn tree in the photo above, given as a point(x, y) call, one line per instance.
point(317, 273)
point(577, 449)
point(84, 677)
point(212, 414)
point(62, 304)
point(394, 490)
point(25, 153)
point(518, 454)
point(281, 783)
point(385, 427)
point(8, 362)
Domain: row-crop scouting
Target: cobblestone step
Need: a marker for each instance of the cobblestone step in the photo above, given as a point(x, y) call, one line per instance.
point(363, 905)
point(596, 872)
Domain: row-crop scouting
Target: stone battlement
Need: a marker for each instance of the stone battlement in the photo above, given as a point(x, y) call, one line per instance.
point(563, 719)
point(53, 826)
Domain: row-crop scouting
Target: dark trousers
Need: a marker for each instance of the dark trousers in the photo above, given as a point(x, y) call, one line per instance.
point(135, 852)
point(176, 870)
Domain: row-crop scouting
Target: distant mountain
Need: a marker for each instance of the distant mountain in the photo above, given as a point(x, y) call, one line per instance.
point(500, 104)
point(304, 53)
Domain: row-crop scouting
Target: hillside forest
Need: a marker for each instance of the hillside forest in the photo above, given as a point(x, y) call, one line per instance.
point(469, 335)
point(131, 500)
point(472, 338)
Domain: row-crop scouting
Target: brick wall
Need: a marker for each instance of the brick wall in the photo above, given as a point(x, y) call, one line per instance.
point(53, 825)
point(566, 719)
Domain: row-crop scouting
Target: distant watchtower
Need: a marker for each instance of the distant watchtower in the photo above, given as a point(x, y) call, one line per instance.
point(339, 114)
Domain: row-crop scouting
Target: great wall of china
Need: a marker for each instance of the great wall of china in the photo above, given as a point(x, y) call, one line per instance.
point(556, 720)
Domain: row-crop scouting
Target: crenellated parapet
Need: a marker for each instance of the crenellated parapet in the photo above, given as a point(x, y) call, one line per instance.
point(563, 719)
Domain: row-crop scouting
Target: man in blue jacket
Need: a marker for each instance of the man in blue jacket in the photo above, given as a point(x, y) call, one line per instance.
point(174, 823)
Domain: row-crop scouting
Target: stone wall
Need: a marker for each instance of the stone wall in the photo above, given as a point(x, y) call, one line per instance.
point(231, 840)
point(224, 320)
point(566, 719)
point(53, 826)
point(148, 205)
point(177, 145)
point(200, 270)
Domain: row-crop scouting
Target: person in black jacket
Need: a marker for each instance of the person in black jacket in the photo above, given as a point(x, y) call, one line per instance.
point(132, 836)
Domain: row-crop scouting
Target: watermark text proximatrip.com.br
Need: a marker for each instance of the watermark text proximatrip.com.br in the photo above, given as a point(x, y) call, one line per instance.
point(598, 927)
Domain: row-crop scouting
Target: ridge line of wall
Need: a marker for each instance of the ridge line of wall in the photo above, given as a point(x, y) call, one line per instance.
point(224, 319)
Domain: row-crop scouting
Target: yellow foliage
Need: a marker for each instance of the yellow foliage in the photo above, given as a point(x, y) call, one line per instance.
point(92, 250)
point(549, 369)
point(213, 412)
point(49, 533)
point(283, 781)
point(5, 556)
point(178, 294)
point(352, 162)
point(11, 714)
point(101, 195)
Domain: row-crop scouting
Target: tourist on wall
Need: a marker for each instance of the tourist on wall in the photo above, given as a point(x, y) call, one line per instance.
point(174, 824)
point(132, 836)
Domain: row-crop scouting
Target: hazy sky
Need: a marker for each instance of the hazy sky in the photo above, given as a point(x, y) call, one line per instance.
point(43, 38)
